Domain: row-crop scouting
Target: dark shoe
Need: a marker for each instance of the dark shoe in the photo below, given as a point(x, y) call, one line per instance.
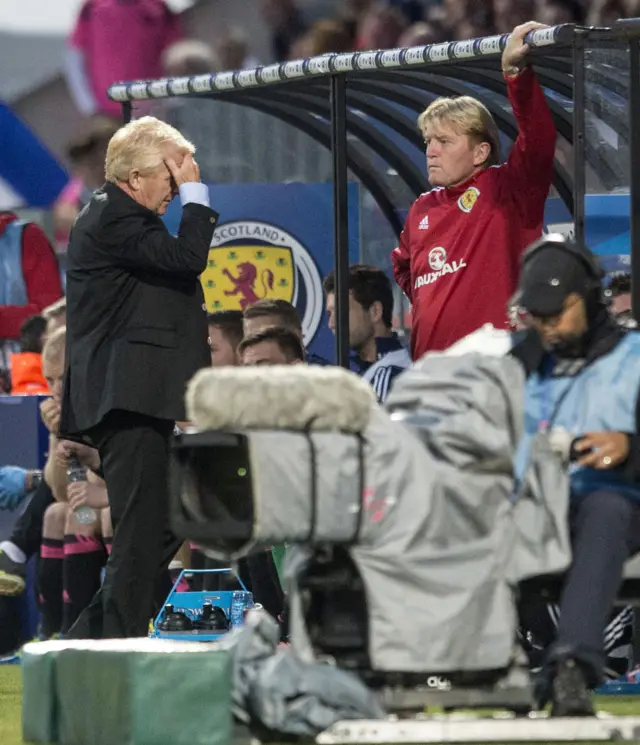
point(570, 694)
point(13, 576)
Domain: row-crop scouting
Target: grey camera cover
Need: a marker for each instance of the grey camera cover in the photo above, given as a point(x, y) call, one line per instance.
point(425, 495)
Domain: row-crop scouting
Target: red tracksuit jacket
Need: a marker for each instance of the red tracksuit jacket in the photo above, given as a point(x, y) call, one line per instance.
point(459, 255)
point(41, 276)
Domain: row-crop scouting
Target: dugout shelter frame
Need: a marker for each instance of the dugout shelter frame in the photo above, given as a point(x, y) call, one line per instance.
point(346, 101)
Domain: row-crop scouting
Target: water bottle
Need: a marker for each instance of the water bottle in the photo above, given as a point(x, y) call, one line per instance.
point(239, 602)
point(85, 515)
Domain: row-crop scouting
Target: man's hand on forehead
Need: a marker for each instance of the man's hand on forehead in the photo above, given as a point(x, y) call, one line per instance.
point(184, 171)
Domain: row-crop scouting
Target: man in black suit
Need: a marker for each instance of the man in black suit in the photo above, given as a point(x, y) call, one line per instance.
point(136, 333)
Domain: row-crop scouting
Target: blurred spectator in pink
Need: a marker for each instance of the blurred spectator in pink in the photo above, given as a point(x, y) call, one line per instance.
point(380, 27)
point(287, 25)
point(115, 41)
point(86, 154)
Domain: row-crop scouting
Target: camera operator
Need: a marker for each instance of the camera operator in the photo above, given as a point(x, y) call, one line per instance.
point(583, 384)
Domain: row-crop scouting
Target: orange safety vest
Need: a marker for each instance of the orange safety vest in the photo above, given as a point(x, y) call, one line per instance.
point(26, 374)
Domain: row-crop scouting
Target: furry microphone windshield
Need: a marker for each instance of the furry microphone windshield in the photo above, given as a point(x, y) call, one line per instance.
point(287, 397)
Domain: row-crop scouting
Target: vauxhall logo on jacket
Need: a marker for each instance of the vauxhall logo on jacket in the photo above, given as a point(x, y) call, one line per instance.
point(437, 259)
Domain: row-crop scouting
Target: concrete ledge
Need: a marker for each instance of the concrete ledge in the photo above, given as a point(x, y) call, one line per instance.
point(463, 729)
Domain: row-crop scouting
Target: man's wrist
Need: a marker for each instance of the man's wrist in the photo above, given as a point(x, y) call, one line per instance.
point(512, 71)
point(194, 192)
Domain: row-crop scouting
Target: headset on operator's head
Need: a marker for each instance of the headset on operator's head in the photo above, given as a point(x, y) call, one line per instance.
point(618, 283)
point(581, 252)
point(595, 273)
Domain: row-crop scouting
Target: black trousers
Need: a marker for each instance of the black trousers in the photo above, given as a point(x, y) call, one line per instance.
point(134, 451)
point(265, 583)
point(27, 533)
point(605, 532)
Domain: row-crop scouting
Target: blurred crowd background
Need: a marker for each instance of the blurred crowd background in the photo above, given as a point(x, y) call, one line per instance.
point(57, 74)
point(59, 58)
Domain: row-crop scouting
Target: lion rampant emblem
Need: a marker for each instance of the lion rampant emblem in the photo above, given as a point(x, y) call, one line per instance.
point(468, 199)
point(245, 283)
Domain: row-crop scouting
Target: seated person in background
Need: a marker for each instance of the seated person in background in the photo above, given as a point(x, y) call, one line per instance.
point(72, 553)
point(273, 345)
point(380, 356)
point(55, 315)
point(583, 386)
point(277, 312)
point(26, 365)
point(225, 334)
point(34, 531)
point(29, 278)
point(27, 533)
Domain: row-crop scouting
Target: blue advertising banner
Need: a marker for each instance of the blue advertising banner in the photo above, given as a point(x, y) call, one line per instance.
point(607, 227)
point(275, 241)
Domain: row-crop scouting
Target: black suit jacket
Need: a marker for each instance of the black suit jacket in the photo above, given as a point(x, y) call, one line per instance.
point(136, 317)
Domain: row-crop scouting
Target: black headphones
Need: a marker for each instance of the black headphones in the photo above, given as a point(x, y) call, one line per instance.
point(557, 240)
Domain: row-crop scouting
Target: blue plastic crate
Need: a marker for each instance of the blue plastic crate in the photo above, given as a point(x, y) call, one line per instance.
point(620, 687)
point(234, 603)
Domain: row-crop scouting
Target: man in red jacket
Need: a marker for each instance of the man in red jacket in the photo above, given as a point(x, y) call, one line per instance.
point(29, 279)
point(459, 254)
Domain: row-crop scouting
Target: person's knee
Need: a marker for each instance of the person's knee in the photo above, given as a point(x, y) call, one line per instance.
point(54, 521)
point(605, 508)
point(73, 527)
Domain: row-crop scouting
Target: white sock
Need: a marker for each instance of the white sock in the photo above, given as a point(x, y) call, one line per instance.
point(13, 552)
